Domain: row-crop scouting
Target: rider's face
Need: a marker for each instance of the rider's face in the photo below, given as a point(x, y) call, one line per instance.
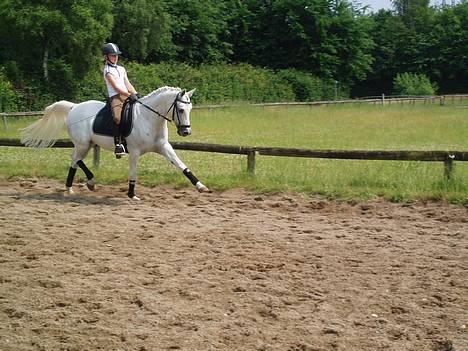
point(113, 58)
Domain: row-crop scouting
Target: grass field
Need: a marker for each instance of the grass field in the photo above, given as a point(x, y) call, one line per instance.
point(332, 127)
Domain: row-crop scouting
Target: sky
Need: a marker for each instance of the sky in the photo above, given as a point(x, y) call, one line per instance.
point(377, 4)
point(386, 4)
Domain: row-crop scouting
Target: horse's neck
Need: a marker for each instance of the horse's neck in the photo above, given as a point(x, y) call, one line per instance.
point(161, 101)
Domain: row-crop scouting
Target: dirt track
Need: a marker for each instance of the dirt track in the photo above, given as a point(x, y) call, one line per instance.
point(227, 271)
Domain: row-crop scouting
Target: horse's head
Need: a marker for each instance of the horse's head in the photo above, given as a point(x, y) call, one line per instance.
point(178, 107)
point(181, 112)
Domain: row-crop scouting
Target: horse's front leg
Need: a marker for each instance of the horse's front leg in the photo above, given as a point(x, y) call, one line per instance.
point(132, 174)
point(168, 152)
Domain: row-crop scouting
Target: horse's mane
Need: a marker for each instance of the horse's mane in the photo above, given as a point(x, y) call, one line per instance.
point(161, 90)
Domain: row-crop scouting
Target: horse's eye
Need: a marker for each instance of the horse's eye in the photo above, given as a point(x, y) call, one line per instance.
point(181, 110)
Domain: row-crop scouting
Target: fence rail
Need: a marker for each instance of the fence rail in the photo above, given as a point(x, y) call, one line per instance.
point(381, 100)
point(448, 157)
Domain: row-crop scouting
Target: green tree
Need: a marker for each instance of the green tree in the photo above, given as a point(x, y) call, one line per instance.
point(403, 43)
point(388, 34)
point(60, 37)
point(142, 31)
point(414, 13)
point(448, 52)
point(240, 19)
point(352, 42)
point(198, 29)
point(326, 38)
point(9, 98)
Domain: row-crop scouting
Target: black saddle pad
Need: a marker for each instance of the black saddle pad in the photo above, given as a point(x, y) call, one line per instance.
point(103, 123)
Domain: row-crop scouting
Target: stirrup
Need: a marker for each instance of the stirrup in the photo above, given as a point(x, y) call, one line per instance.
point(119, 150)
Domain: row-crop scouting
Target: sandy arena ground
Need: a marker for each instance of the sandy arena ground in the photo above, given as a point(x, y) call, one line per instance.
point(227, 270)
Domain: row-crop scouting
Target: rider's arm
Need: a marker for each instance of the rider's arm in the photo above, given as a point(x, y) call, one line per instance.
point(129, 86)
point(110, 78)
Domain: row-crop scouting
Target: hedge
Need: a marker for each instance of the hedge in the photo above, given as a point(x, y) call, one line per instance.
point(218, 83)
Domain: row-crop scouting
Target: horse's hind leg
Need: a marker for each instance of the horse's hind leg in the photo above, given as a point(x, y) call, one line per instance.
point(79, 153)
point(70, 177)
point(89, 175)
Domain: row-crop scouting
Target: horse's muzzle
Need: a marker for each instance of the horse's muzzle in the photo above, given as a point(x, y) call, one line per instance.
point(184, 131)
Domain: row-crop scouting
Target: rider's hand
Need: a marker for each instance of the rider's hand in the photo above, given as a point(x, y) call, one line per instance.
point(133, 97)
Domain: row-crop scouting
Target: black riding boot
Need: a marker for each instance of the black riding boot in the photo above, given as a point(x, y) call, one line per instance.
point(119, 148)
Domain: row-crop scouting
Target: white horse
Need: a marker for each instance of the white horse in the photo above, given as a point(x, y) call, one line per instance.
point(149, 132)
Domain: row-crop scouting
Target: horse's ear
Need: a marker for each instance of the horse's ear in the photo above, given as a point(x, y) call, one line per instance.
point(182, 93)
point(190, 93)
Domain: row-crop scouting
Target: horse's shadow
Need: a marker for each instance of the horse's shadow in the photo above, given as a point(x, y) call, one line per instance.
point(62, 198)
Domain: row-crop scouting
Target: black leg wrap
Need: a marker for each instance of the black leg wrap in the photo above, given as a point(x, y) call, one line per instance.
point(131, 188)
point(85, 169)
point(116, 133)
point(71, 176)
point(188, 173)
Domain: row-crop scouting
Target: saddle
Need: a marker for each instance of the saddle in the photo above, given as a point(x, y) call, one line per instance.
point(104, 123)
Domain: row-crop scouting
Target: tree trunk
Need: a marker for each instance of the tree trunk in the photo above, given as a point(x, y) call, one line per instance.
point(45, 59)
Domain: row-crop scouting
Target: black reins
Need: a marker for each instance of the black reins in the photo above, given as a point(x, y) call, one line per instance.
point(175, 111)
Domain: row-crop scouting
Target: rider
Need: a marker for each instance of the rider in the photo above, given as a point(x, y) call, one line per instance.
point(119, 89)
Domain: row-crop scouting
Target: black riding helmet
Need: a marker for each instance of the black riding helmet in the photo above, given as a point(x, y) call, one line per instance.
point(110, 49)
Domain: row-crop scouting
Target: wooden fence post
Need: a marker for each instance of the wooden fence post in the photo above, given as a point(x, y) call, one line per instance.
point(251, 161)
point(5, 123)
point(96, 156)
point(448, 167)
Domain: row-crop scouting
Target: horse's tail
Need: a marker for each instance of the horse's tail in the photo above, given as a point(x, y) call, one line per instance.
point(45, 132)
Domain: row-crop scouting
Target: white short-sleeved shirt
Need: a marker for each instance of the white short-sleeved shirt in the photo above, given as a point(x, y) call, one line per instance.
point(119, 73)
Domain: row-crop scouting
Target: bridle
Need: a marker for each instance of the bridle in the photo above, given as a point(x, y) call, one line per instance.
point(173, 107)
point(175, 111)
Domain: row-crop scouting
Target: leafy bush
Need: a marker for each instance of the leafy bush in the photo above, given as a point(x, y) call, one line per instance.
point(306, 87)
point(91, 87)
point(35, 95)
point(242, 82)
point(217, 83)
point(9, 98)
point(413, 84)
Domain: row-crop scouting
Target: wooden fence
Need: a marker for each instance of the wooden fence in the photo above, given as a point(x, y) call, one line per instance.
point(447, 157)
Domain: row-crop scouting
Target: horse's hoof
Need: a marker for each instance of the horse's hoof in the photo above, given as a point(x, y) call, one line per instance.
point(90, 185)
point(136, 198)
point(69, 192)
point(202, 188)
